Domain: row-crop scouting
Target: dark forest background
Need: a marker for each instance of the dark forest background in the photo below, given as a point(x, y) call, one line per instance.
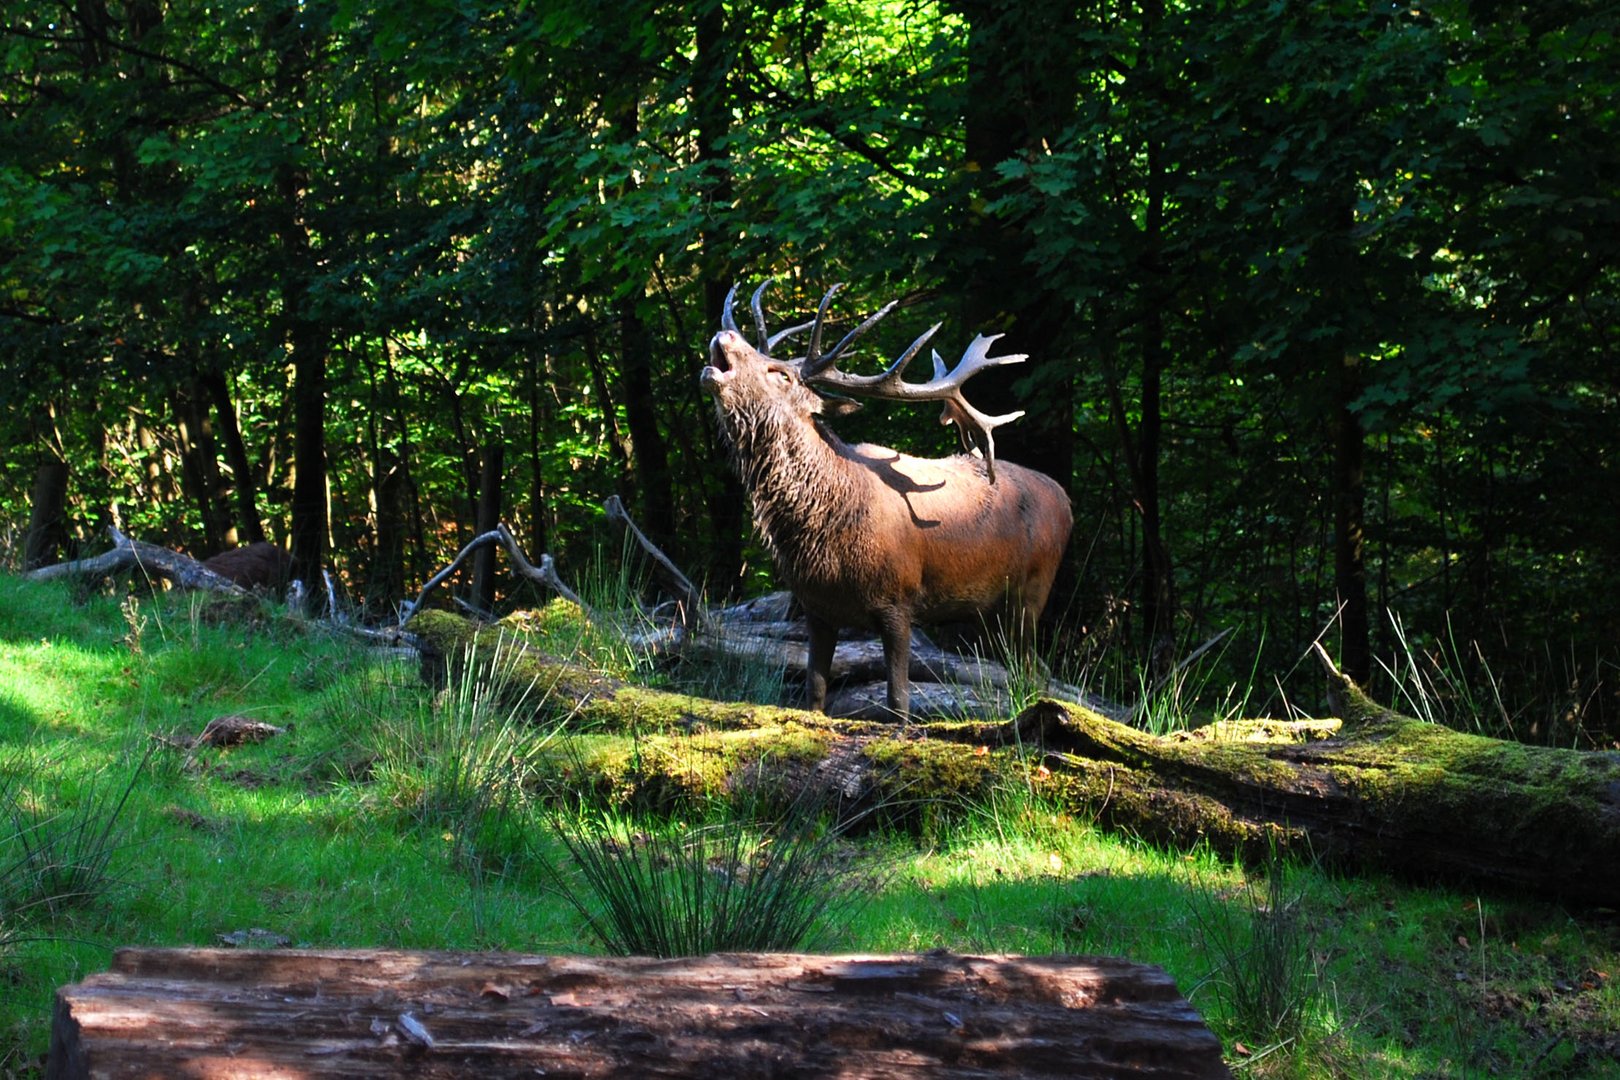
point(1320, 298)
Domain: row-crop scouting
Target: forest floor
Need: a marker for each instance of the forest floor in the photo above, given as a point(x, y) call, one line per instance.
point(345, 829)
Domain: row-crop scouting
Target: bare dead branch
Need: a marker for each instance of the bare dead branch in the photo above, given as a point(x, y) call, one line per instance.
point(545, 574)
point(688, 599)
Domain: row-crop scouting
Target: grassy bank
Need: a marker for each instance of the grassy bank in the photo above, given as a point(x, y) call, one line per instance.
point(386, 816)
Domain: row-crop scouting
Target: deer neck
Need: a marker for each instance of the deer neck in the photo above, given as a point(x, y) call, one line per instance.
point(804, 491)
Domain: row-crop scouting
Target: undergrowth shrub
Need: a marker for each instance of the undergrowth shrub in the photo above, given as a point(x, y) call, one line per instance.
point(1260, 948)
point(746, 880)
point(460, 761)
point(56, 848)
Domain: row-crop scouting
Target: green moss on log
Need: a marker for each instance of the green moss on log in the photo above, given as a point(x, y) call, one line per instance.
point(1386, 791)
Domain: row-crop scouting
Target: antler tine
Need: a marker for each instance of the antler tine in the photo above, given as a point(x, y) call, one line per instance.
point(812, 356)
point(782, 335)
point(945, 386)
point(728, 320)
point(757, 303)
point(969, 419)
point(825, 362)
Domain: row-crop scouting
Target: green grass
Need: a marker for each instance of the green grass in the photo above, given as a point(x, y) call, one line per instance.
point(369, 824)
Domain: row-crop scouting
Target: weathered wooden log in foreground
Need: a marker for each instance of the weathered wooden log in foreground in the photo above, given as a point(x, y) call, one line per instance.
point(227, 1013)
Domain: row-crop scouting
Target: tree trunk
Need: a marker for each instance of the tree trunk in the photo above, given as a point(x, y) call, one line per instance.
point(1022, 86)
point(318, 1013)
point(489, 516)
point(1384, 792)
point(199, 463)
point(711, 112)
point(649, 455)
point(47, 520)
point(386, 579)
point(1349, 524)
point(306, 337)
point(236, 456)
point(539, 422)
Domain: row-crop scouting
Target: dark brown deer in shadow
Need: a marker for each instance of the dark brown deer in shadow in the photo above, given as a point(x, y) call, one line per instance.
point(866, 536)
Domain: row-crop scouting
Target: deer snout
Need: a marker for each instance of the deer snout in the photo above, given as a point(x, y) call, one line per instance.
point(718, 369)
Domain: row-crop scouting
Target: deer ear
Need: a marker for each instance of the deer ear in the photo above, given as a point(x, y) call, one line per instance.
point(834, 405)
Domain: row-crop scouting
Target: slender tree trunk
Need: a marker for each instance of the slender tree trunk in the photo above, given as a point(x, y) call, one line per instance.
point(157, 489)
point(1349, 524)
point(539, 531)
point(250, 526)
point(386, 577)
point(650, 456)
point(649, 461)
point(711, 110)
point(1022, 86)
point(309, 524)
point(47, 521)
point(306, 336)
point(608, 406)
point(199, 464)
point(489, 516)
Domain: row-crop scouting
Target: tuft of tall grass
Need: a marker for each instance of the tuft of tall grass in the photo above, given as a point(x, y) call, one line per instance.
point(740, 882)
point(1173, 701)
point(1433, 685)
point(460, 761)
point(1261, 950)
point(56, 852)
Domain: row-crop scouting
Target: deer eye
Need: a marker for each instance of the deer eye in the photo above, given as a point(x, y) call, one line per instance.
point(782, 377)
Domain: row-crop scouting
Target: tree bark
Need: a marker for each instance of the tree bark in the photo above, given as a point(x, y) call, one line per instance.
point(1022, 83)
point(1382, 791)
point(1350, 523)
point(236, 456)
point(488, 518)
point(288, 36)
point(199, 463)
point(317, 1013)
point(47, 515)
point(649, 455)
point(711, 112)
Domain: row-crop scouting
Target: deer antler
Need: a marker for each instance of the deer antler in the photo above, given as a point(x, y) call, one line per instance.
point(821, 368)
point(890, 384)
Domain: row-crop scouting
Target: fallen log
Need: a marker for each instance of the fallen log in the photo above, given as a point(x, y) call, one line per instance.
point(1377, 790)
point(351, 1013)
point(127, 554)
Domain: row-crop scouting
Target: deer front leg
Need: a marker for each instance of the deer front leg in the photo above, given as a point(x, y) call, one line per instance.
point(818, 665)
point(895, 629)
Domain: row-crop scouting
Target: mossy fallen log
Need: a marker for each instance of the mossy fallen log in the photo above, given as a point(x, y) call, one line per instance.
point(1381, 791)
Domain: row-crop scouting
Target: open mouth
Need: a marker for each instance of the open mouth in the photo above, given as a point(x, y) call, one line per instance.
point(717, 355)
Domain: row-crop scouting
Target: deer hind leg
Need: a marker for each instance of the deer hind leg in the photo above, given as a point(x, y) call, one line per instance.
point(818, 666)
point(894, 627)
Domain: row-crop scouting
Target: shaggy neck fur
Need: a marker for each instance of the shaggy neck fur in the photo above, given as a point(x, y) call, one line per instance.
point(802, 486)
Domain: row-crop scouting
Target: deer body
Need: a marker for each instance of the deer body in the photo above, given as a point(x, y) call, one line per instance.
point(866, 536)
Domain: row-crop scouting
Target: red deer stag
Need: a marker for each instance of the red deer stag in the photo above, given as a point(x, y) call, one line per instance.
point(868, 536)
